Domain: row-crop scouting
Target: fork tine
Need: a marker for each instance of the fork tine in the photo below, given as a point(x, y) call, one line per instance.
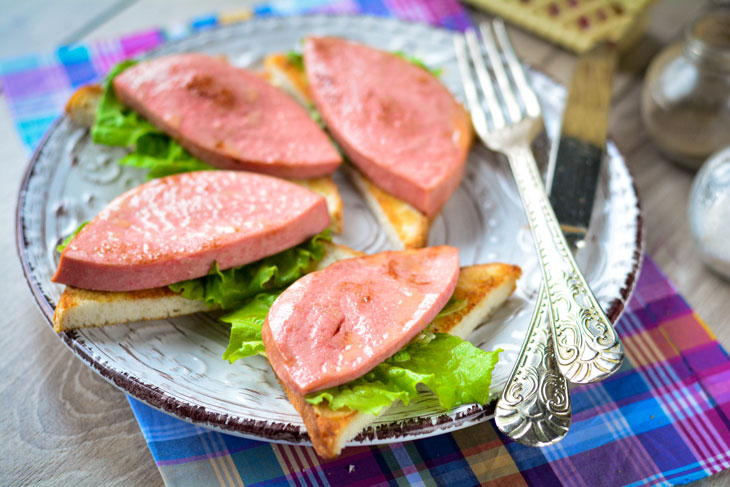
point(477, 113)
point(513, 108)
point(495, 109)
point(518, 73)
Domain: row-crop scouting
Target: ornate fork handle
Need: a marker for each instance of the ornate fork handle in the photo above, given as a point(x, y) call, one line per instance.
point(535, 405)
point(588, 348)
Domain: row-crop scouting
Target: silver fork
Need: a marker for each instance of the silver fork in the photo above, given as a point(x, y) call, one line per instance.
point(534, 408)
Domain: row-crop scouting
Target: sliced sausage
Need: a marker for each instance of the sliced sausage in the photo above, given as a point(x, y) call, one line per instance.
point(173, 229)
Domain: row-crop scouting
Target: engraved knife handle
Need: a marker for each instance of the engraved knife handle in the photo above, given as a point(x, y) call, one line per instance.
point(534, 408)
point(586, 344)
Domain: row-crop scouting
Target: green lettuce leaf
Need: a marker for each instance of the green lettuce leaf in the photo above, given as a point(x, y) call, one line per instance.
point(416, 61)
point(162, 156)
point(452, 306)
point(455, 370)
point(233, 287)
point(118, 125)
point(314, 113)
point(115, 124)
point(62, 246)
point(296, 59)
point(246, 324)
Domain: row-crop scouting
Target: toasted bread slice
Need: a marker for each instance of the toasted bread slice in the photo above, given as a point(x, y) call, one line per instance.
point(81, 308)
point(326, 187)
point(485, 288)
point(81, 109)
point(405, 226)
point(288, 76)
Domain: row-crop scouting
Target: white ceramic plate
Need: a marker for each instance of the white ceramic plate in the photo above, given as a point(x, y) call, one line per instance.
point(175, 365)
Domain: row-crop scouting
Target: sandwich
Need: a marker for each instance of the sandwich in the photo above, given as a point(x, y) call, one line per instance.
point(404, 134)
point(191, 112)
point(348, 341)
point(190, 242)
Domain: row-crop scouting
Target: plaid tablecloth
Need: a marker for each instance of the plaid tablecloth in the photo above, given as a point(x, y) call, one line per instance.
point(662, 420)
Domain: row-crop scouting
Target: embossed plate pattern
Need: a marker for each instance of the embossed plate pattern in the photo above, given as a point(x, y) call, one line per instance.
point(175, 365)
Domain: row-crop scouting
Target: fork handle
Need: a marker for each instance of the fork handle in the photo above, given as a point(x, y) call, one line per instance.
point(586, 344)
point(534, 408)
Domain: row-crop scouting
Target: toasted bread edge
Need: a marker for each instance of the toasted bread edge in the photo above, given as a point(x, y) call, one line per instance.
point(82, 308)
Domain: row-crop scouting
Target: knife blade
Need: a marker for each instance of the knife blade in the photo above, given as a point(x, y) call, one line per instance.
point(574, 167)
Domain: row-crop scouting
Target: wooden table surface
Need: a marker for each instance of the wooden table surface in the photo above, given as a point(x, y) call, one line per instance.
point(64, 425)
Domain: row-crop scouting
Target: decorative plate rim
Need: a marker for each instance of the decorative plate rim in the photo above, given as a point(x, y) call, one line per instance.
point(263, 430)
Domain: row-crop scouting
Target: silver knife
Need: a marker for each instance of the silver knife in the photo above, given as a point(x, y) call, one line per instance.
point(585, 353)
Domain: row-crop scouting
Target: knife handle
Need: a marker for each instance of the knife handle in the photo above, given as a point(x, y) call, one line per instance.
point(587, 346)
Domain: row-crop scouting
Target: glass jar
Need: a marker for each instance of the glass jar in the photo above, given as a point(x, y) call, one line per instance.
point(685, 102)
point(709, 212)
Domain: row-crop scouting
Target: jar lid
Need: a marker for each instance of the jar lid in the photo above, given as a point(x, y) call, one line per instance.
point(708, 40)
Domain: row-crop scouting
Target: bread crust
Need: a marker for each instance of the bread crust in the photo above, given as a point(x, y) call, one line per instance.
point(327, 188)
point(81, 107)
point(288, 76)
point(82, 308)
point(327, 428)
point(484, 287)
point(405, 226)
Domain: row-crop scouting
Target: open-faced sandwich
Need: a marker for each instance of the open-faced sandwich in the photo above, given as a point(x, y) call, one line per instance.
point(191, 242)
point(189, 112)
point(348, 341)
point(404, 133)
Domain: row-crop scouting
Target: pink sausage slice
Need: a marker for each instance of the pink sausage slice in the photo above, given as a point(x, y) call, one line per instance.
point(395, 121)
point(227, 117)
point(174, 228)
point(335, 325)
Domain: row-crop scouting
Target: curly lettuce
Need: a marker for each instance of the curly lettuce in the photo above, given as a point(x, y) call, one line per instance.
point(456, 371)
point(62, 246)
point(246, 324)
point(152, 149)
point(231, 288)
